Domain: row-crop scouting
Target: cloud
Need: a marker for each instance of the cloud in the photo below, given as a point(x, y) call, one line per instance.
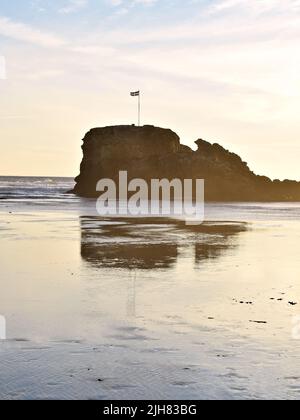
point(73, 6)
point(131, 3)
point(146, 2)
point(26, 33)
point(96, 50)
point(116, 3)
point(254, 6)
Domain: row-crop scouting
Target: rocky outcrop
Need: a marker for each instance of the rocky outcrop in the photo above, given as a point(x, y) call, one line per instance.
point(108, 150)
point(151, 152)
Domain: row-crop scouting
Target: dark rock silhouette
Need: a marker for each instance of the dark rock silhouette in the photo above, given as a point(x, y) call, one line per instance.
point(150, 152)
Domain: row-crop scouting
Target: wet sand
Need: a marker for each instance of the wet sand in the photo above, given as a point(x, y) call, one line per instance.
point(111, 309)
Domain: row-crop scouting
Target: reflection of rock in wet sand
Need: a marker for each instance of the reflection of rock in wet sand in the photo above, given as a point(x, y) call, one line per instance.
point(222, 239)
point(139, 243)
point(127, 243)
point(144, 256)
point(210, 251)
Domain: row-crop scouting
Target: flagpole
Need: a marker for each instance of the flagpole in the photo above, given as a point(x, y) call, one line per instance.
point(135, 94)
point(139, 110)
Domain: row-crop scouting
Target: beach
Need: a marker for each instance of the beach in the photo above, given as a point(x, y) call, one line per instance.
point(133, 309)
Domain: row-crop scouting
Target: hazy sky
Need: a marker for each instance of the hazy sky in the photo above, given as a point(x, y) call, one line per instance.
point(222, 70)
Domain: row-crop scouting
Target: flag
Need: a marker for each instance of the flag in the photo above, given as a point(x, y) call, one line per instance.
point(135, 93)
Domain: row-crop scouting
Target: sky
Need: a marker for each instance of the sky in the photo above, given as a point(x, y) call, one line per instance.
point(223, 70)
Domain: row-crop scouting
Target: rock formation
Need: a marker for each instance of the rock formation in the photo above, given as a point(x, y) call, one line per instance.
point(151, 152)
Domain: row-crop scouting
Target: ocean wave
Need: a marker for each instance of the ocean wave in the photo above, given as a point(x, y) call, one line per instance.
point(34, 188)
